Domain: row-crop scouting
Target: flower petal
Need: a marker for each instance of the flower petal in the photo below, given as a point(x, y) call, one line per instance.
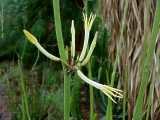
point(73, 40)
point(93, 45)
point(107, 90)
point(34, 41)
point(30, 37)
point(46, 53)
point(87, 80)
point(87, 25)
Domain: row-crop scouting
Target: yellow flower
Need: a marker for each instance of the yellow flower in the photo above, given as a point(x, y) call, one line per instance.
point(107, 90)
point(34, 41)
point(88, 21)
point(30, 37)
point(87, 27)
point(83, 59)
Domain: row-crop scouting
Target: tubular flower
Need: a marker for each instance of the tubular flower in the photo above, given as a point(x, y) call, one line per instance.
point(107, 90)
point(88, 22)
point(83, 59)
point(73, 40)
point(93, 45)
point(34, 41)
point(87, 27)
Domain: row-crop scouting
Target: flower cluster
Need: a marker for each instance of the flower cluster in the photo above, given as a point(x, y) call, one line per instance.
point(83, 58)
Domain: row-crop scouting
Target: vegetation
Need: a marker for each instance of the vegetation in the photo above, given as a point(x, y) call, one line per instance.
point(119, 53)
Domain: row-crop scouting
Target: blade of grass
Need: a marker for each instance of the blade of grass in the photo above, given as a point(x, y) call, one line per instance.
point(148, 8)
point(147, 61)
point(125, 91)
point(63, 56)
point(149, 100)
point(25, 108)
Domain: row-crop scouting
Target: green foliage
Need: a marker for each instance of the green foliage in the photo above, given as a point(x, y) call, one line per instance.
point(138, 113)
point(36, 16)
point(14, 18)
point(42, 85)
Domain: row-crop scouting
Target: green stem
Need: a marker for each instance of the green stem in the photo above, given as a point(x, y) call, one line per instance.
point(91, 93)
point(90, 76)
point(25, 108)
point(63, 57)
point(125, 91)
point(58, 25)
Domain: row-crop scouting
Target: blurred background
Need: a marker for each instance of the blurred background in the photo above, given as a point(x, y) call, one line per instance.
point(31, 82)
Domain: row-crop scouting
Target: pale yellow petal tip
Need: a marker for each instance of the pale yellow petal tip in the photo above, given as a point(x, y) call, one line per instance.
point(30, 37)
point(112, 92)
point(88, 21)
